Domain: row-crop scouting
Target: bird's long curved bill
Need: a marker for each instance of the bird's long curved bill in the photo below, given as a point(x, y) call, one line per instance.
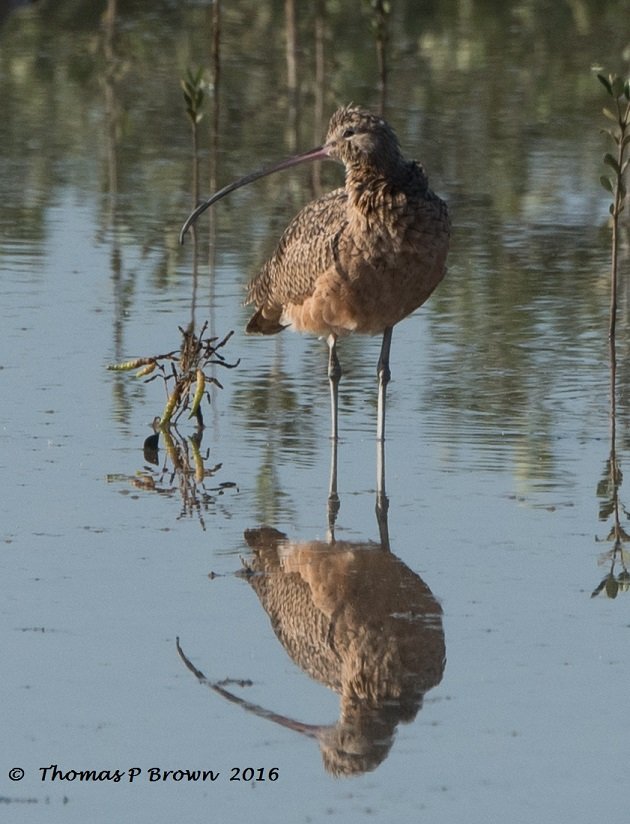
point(320, 153)
point(310, 730)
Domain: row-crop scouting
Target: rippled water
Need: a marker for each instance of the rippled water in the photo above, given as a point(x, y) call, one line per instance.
point(500, 505)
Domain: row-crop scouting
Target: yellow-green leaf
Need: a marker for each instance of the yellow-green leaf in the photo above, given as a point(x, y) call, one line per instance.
point(607, 183)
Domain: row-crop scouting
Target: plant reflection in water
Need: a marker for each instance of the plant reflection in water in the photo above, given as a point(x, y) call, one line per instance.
point(610, 506)
point(183, 472)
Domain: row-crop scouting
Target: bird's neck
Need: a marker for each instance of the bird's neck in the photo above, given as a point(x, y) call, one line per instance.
point(372, 189)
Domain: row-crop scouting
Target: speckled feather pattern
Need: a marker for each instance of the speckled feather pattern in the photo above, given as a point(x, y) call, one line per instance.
point(361, 258)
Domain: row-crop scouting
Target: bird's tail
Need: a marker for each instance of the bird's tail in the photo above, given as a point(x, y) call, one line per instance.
point(264, 324)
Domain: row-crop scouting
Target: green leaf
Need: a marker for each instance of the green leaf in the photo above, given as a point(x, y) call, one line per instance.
point(612, 587)
point(609, 160)
point(617, 86)
point(605, 83)
point(610, 115)
point(610, 134)
point(607, 183)
point(626, 90)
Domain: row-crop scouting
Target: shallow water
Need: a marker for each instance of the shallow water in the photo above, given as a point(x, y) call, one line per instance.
point(497, 442)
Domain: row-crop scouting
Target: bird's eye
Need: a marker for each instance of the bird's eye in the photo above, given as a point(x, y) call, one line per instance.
point(347, 133)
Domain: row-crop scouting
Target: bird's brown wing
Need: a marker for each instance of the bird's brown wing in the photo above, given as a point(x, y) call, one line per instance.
point(305, 251)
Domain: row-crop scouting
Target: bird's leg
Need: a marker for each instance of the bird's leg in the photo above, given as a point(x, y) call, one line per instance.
point(384, 375)
point(334, 376)
point(333, 495)
point(382, 501)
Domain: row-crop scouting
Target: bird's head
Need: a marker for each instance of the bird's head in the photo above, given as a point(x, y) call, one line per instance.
point(358, 138)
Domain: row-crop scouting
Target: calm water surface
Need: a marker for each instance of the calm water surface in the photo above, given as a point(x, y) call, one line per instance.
point(500, 504)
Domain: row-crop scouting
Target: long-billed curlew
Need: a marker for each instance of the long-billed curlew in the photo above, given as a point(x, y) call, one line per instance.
point(358, 259)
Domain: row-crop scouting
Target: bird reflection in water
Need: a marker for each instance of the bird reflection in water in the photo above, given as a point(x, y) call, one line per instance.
point(354, 617)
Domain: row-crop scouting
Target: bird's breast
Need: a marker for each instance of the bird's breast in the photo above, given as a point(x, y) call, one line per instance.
point(364, 271)
point(385, 269)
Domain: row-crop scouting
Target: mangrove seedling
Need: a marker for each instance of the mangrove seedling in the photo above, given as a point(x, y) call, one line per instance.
point(184, 372)
point(618, 90)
